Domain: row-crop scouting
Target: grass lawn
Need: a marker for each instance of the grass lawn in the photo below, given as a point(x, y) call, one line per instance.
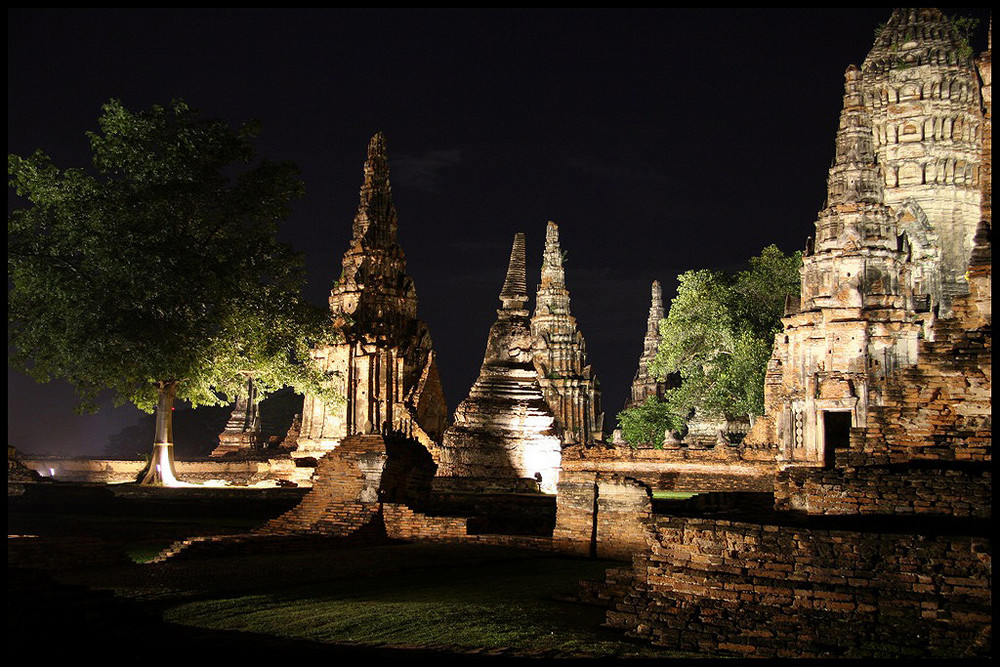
point(501, 602)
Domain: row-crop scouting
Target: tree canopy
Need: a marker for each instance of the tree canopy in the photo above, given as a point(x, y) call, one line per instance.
point(719, 333)
point(160, 264)
point(648, 422)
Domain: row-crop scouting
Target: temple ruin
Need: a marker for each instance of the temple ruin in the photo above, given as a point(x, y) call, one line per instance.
point(560, 354)
point(505, 428)
point(853, 519)
point(893, 243)
point(385, 367)
point(879, 403)
point(921, 89)
point(645, 383)
point(856, 322)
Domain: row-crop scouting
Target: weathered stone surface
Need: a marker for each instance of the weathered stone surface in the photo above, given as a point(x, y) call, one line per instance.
point(781, 591)
point(567, 381)
point(923, 94)
point(505, 428)
point(385, 366)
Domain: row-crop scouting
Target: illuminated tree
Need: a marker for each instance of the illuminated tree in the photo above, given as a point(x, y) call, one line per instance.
point(647, 422)
point(157, 273)
point(719, 332)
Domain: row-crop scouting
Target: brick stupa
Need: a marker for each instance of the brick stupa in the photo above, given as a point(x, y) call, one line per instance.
point(504, 429)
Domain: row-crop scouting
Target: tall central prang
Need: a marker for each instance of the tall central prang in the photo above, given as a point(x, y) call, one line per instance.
point(385, 365)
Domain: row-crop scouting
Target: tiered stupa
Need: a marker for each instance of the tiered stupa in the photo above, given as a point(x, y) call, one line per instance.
point(242, 433)
point(504, 429)
point(568, 383)
point(385, 366)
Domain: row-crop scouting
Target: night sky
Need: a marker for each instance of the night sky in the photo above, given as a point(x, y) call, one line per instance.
point(658, 140)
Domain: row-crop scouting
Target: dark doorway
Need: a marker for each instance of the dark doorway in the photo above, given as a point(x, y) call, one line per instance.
point(836, 433)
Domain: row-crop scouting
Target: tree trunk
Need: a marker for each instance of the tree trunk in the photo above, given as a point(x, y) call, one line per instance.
point(161, 466)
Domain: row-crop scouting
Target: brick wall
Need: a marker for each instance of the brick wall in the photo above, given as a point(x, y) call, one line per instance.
point(601, 514)
point(721, 469)
point(958, 491)
point(759, 590)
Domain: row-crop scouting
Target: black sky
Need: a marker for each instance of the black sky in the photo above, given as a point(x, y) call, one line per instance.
point(659, 140)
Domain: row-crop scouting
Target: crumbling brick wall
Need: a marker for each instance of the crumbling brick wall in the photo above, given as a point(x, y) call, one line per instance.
point(353, 481)
point(780, 591)
point(960, 491)
point(601, 514)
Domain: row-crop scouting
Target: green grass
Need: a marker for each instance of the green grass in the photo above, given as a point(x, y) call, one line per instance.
point(673, 495)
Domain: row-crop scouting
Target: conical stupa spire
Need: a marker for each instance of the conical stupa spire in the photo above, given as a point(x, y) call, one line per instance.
point(505, 429)
point(644, 384)
point(515, 287)
point(854, 176)
point(375, 224)
point(552, 297)
point(655, 311)
point(560, 352)
point(552, 258)
point(373, 287)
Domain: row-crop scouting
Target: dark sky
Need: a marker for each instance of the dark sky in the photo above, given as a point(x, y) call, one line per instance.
point(658, 140)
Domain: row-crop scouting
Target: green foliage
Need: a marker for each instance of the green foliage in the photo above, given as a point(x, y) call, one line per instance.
point(719, 333)
point(646, 423)
point(966, 27)
point(159, 264)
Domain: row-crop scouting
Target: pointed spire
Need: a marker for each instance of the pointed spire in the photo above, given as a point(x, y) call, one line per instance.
point(655, 311)
point(854, 176)
point(515, 287)
point(375, 223)
point(552, 258)
point(552, 297)
point(645, 385)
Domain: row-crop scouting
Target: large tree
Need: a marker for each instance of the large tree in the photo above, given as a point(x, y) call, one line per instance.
point(157, 273)
point(716, 341)
point(719, 333)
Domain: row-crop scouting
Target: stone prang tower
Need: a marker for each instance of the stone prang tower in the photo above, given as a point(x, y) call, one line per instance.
point(568, 382)
point(385, 365)
point(891, 264)
point(922, 92)
point(645, 385)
